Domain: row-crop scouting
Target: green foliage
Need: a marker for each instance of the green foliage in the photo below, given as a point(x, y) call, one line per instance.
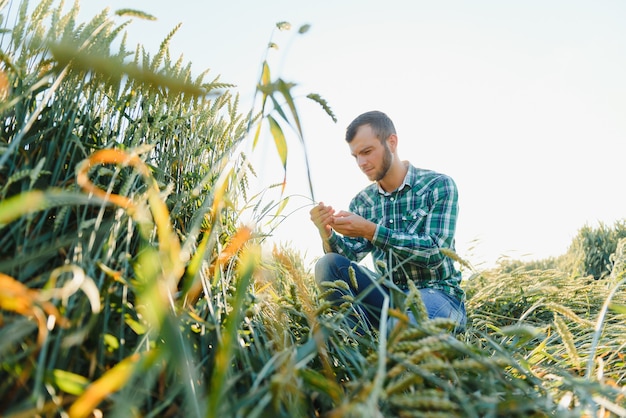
point(61, 113)
point(511, 265)
point(176, 136)
point(591, 251)
point(280, 93)
point(618, 259)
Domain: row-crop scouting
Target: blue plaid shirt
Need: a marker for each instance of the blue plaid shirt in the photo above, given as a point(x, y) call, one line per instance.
point(413, 223)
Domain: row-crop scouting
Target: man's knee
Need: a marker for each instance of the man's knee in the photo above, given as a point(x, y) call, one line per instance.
point(327, 266)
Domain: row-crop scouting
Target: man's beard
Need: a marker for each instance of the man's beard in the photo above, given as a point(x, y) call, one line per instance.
point(387, 158)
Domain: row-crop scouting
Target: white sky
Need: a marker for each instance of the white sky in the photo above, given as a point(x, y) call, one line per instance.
point(523, 103)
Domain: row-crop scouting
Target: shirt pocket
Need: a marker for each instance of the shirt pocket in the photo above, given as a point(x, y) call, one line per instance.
point(414, 220)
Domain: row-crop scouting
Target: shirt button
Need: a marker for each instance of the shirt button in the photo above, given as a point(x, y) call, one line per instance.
point(391, 221)
point(392, 199)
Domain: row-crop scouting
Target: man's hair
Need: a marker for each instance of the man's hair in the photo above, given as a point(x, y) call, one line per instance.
point(380, 123)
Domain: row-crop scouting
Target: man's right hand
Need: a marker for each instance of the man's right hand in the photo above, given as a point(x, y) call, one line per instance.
point(323, 216)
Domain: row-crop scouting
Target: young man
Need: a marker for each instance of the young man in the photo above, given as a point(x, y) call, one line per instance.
point(403, 218)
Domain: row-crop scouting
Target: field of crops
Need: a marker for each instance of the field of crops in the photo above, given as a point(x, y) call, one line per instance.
point(129, 285)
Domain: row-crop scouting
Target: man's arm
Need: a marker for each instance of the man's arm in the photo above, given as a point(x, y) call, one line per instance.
point(352, 225)
point(433, 231)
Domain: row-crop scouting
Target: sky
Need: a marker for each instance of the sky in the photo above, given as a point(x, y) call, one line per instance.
point(522, 103)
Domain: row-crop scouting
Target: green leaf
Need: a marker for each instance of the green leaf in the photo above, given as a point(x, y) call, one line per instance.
point(68, 382)
point(257, 134)
point(111, 342)
point(522, 331)
point(113, 68)
point(277, 107)
point(249, 260)
point(195, 263)
point(16, 206)
point(33, 201)
point(136, 326)
point(318, 382)
point(285, 89)
point(620, 309)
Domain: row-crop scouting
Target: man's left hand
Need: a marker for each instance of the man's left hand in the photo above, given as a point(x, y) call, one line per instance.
point(352, 225)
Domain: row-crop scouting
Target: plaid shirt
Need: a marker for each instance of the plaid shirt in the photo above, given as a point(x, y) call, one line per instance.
point(412, 224)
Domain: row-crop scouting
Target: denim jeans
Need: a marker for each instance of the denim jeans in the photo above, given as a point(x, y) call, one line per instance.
point(371, 296)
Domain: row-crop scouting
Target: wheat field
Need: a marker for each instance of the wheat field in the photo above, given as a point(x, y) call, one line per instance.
point(130, 285)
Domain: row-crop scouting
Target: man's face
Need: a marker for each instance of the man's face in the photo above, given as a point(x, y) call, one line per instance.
point(373, 157)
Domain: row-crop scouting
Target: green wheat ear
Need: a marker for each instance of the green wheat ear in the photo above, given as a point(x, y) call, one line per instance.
point(352, 275)
point(135, 13)
point(568, 340)
point(415, 303)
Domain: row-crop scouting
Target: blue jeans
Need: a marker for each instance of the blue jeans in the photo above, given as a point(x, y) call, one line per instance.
point(370, 296)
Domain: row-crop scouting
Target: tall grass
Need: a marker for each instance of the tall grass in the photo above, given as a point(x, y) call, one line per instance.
point(129, 285)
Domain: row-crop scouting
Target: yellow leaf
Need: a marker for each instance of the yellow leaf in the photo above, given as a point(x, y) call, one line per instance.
point(105, 156)
point(16, 297)
point(234, 245)
point(111, 381)
point(279, 140)
point(265, 75)
point(4, 85)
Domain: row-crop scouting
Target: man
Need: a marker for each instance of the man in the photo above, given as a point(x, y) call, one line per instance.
point(403, 219)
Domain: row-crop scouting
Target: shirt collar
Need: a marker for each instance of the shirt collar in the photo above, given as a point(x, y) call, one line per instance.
point(408, 178)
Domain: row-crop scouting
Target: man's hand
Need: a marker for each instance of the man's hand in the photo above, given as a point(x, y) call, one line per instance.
point(352, 225)
point(322, 217)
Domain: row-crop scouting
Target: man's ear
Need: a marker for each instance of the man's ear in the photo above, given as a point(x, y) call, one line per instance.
point(392, 142)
